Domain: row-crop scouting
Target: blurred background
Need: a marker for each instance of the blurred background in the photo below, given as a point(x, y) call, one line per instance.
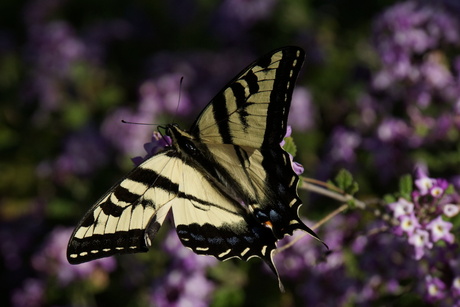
point(378, 95)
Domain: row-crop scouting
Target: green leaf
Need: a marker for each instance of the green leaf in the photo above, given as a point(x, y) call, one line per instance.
point(388, 198)
point(344, 181)
point(228, 297)
point(58, 208)
point(406, 186)
point(450, 190)
point(290, 146)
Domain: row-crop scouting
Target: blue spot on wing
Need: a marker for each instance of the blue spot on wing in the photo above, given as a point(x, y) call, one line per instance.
point(197, 237)
point(233, 241)
point(249, 239)
point(216, 240)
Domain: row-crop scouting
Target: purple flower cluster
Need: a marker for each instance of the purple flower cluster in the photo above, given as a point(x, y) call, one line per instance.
point(308, 266)
point(52, 268)
point(425, 221)
point(53, 48)
point(421, 218)
point(161, 95)
point(31, 294)
point(415, 28)
point(84, 152)
point(185, 283)
point(411, 39)
point(413, 98)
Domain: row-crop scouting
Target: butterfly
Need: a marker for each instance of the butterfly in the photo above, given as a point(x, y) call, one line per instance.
point(228, 182)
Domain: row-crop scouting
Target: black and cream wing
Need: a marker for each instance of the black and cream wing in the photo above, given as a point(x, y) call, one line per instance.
point(241, 130)
point(128, 216)
point(237, 139)
point(208, 221)
point(252, 109)
point(212, 222)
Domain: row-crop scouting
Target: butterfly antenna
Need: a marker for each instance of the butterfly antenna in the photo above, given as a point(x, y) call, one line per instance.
point(137, 123)
point(178, 99)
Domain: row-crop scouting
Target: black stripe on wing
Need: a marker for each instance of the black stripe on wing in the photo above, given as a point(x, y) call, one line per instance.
point(280, 67)
point(104, 245)
point(282, 182)
point(240, 94)
point(243, 240)
point(281, 94)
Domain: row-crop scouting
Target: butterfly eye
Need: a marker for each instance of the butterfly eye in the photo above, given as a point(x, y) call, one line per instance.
point(191, 148)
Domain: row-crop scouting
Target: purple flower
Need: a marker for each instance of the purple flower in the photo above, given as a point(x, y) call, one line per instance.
point(451, 210)
point(409, 27)
point(401, 207)
point(343, 145)
point(392, 129)
point(420, 240)
point(440, 230)
point(157, 143)
point(423, 182)
point(84, 152)
point(179, 289)
point(408, 224)
point(53, 49)
point(301, 115)
point(430, 186)
point(435, 288)
point(51, 260)
point(456, 286)
point(185, 284)
point(297, 167)
point(162, 95)
point(296, 261)
point(436, 75)
point(288, 134)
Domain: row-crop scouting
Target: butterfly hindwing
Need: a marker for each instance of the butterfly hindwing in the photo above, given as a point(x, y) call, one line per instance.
point(214, 223)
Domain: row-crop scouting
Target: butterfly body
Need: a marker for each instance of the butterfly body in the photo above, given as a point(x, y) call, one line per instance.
point(228, 182)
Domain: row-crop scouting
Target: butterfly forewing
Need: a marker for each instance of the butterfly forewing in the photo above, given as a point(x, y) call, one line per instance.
point(253, 108)
point(136, 206)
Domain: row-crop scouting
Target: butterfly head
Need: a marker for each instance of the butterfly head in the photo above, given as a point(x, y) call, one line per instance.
point(183, 141)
